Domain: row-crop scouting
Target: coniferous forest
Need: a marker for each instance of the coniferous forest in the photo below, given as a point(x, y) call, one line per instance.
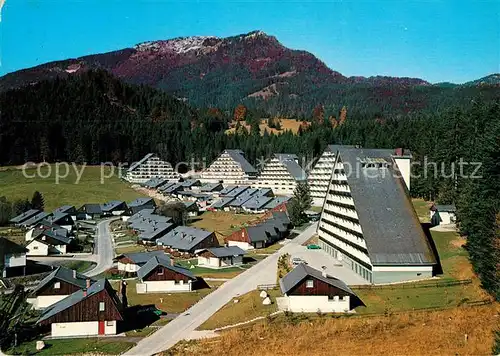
point(94, 117)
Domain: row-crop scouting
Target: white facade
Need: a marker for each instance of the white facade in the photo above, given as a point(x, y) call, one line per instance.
point(404, 166)
point(128, 267)
point(219, 262)
point(149, 167)
point(276, 175)
point(37, 248)
point(241, 244)
point(15, 260)
point(319, 176)
point(314, 304)
point(44, 301)
point(84, 328)
point(447, 217)
point(162, 286)
point(228, 170)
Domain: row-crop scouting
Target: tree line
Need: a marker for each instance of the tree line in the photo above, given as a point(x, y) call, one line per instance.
point(10, 209)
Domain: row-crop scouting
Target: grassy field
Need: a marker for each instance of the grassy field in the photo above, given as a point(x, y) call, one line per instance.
point(79, 266)
point(14, 234)
point(204, 272)
point(422, 208)
point(455, 265)
point(267, 250)
point(223, 222)
point(167, 302)
point(248, 307)
point(69, 191)
point(416, 333)
point(75, 346)
point(130, 249)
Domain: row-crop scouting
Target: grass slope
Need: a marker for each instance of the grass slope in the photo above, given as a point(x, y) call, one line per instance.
point(223, 222)
point(75, 346)
point(15, 185)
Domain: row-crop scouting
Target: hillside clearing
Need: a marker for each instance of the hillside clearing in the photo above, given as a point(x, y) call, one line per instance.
point(68, 191)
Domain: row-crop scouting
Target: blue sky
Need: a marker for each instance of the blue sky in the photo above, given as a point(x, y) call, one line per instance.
point(438, 41)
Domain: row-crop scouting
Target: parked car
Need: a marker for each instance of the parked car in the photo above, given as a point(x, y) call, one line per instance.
point(297, 261)
point(313, 247)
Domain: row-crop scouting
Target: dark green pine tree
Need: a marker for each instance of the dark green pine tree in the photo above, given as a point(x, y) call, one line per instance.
point(20, 206)
point(37, 202)
point(6, 212)
point(300, 202)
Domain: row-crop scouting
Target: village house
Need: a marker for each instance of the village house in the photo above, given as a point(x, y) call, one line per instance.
point(231, 167)
point(192, 209)
point(256, 204)
point(66, 209)
point(59, 284)
point(12, 258)
point(160, 275)
point(220, 257)
point(64, 220)
point(114, 208)
point(307, 290)
point(210, 188)
point(45, 225)
point(35, 219)
point(137, 205)
point(18, 220)
point(157, 183)
point(148, 167)
point(187, 239)
point(90, 212)
point(48, 242)
point(368, 222)
point(94, 310)
point(443, 214)
point(154, 232)
point(129, 263)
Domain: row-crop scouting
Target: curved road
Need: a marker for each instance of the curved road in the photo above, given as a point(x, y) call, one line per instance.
point(103, 249)
point(178, 329)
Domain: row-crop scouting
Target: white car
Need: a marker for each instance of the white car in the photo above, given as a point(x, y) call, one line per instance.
point(297, 261)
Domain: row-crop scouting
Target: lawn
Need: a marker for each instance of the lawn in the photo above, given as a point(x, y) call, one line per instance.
point(248, 307)
point(267, 250)
point(68, 191)
point(130, 249)
point(422, 208)
point(456, 266)
point(204, 272)
point(167, 302)
point(79, 266)
point(75, 346)
point(223, 222)
point(14, 234)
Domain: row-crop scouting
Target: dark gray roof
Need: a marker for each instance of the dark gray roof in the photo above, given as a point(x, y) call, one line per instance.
point(68, 209)
point(227, 189)
point(56, 216)
point(190, 182)
point(258, 233)
point(91, 208)
point(257, 202)
point(237, 155)
point(51, 237)
point(277, 201)
point(449, 208)
point(141, 161)
point(236, 191)
point(281, 216)
point(156, 231)
point(173, 188)
point(210, 187)
point(111, 205)
point(44, 225)
point(291, 165)
point(73, 299)
point(390, 226)
point(336, 148)
point(156, 182)
point(239, 200)
point(65, 275)
point(302, 271)
point(222, 202)
point(141, 202)
point(36, 218)
point(190, 205)
point(141, 257)
point(165, 185)
point(183, 238)
point(164, 262)
point(264, 191)
point(24, 216)
point(8, 247)
point(225, 251)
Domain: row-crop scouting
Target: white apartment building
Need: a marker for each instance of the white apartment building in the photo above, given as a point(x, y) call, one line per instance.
point(150, 166)
point(281, 174)
point(231, 167)
point(319, 177)
point(368, 221)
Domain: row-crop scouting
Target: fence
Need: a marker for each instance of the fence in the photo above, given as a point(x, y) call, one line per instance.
point(438, 284)
point(267, 286)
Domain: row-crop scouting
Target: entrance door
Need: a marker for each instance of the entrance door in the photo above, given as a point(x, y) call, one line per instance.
point(101, 327)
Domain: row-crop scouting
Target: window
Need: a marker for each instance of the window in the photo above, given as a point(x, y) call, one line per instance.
point(110, 323)
point(35, 247)
point(160, 271)
point(57, 285)
point(309, 283)
point(101, 306)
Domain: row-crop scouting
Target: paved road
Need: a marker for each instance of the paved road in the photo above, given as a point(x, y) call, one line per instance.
point(104, 249)
point(262, 273)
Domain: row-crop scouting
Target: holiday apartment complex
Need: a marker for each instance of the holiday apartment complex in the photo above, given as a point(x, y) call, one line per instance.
point(231, 167)
point(148, 167)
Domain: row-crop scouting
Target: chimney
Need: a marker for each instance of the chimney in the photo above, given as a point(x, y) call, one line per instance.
point(84, 292)
point(323, 272)
point(398, 151)
point(87, 283)
point(74, 274)
point(172, 262)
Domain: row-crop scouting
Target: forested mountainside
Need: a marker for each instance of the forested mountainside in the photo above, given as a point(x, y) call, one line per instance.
point(93, 117)
point(255, 69)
